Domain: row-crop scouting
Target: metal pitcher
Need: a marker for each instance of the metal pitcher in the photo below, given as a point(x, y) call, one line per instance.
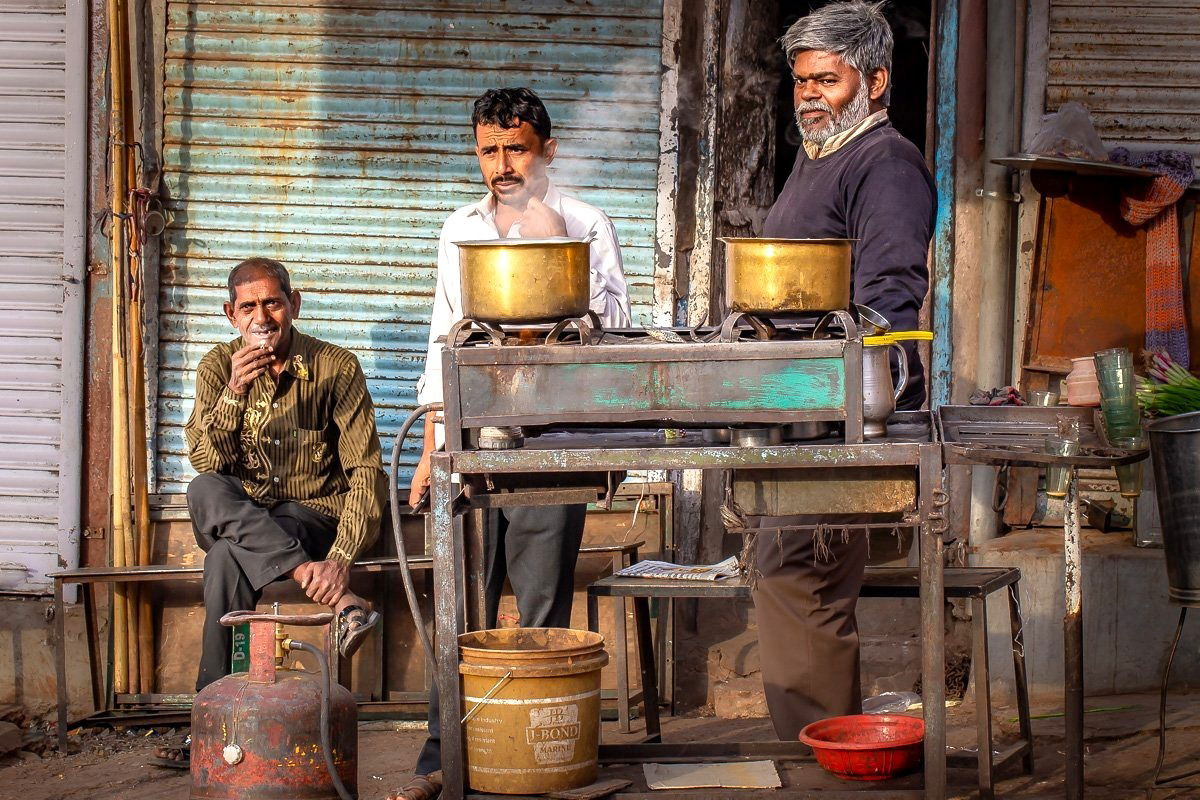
point(879, 395)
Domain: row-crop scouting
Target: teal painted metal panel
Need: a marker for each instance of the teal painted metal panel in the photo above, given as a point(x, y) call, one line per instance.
point(675, 388)
point(337, 139)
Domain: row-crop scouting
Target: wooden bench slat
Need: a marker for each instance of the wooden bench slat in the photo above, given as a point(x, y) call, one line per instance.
point(877, 582)
point(169, 572)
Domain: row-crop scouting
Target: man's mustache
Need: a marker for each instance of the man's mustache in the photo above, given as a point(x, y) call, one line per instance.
point(815, 105)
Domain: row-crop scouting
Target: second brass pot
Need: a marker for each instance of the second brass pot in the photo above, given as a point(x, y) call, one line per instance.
point(525, 280)
point(766, 276)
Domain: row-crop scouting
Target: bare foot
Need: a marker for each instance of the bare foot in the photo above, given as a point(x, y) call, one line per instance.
point(355, 619)
point(348, 599)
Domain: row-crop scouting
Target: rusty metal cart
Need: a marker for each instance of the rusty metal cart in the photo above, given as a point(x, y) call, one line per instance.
point(608, 451)
point(572, 404)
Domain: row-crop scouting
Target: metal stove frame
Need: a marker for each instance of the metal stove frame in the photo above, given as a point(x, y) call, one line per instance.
point(670, 383)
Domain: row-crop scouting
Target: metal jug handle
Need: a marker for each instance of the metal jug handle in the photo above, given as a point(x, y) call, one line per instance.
point(903, 382)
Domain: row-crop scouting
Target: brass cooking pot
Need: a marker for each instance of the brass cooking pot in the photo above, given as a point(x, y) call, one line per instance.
point(525, 280)
point(765, 276)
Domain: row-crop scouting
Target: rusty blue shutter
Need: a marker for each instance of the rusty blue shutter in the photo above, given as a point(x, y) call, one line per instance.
point(337, 139)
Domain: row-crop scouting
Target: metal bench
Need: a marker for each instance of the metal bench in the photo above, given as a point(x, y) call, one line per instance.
point(622, 554)
point(969, 583)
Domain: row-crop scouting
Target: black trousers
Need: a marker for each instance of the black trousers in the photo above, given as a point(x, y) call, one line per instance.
point(247, 546)
point(536, 549)
point(804, 603)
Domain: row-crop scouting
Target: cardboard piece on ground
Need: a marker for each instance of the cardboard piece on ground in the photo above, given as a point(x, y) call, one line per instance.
point(725, 775)
point(593, 791)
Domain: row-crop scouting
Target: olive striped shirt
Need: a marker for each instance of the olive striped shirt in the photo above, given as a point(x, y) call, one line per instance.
point(309, 437)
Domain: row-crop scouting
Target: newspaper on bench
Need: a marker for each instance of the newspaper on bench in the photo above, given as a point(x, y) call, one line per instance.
point(680, 572)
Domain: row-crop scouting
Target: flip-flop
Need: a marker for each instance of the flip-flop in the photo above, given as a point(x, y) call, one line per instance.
point(351, 638)
point(421, 787)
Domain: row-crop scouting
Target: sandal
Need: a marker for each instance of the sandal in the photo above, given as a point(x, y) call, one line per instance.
point(354, 623)
point(173, 757)
point(421, 787)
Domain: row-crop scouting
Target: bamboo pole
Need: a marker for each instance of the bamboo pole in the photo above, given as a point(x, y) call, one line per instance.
point(141, 497)
point(121, 501)
point(137, 393)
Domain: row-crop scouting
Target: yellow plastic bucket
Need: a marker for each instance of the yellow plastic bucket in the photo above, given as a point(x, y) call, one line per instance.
point(531, 701)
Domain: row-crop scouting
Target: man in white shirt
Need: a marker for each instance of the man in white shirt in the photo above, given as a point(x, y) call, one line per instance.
point(535, 548)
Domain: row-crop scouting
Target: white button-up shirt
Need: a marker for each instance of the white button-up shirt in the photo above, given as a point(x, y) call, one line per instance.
point(610, 297)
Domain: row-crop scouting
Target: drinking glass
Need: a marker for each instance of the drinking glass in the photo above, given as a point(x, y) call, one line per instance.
point(1056, 477)
point(1118, 398)
point(1043, 398)
point(1129, 476)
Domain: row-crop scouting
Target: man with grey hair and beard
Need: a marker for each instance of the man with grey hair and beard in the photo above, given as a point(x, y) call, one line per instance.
point(856, 178)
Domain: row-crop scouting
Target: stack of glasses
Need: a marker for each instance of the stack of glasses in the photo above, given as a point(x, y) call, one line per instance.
point(1122, 420)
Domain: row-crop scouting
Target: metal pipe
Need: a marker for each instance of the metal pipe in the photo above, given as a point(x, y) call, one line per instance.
point(75, 261)
point(410, 592)
point(994, 306)
point(326, 743)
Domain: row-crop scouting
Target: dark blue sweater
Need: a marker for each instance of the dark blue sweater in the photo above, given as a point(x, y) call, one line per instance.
point(875, 189)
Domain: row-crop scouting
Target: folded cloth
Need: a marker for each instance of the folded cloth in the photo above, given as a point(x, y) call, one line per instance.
point(1152, 203)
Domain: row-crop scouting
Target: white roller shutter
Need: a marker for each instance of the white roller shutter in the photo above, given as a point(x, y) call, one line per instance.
point(42, 189)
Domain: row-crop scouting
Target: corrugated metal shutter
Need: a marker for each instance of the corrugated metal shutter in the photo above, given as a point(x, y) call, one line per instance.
point(337, 139)
point(40, 306)
point(1132, 65)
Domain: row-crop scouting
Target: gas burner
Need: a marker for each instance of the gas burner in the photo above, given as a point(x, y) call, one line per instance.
point(505, 437)
point(763, 328)
point(574, 330)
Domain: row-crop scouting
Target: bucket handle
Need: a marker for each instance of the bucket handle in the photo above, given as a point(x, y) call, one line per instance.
point(483, 701)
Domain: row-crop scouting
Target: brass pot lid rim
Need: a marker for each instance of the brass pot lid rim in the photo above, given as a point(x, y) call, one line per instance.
point(773, 240)
point(521, 242)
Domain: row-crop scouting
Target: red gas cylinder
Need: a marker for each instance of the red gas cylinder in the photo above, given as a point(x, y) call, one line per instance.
point(257, 735)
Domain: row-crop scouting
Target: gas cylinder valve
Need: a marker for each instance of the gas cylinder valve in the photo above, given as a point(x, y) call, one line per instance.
point(232, 754)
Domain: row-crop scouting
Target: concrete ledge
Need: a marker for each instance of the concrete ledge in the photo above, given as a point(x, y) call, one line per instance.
point(1127, 621)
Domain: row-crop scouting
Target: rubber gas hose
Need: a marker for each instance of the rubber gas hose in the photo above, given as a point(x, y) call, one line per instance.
point(402, 554)
point(326, 737)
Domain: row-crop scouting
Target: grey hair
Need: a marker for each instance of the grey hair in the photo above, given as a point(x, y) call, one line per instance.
point(253, 268)
point(855, 30)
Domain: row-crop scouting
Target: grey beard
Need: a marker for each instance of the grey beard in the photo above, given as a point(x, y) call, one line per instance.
point(853, 113)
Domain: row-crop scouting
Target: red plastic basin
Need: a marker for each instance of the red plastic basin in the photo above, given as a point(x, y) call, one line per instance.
point(867, 747)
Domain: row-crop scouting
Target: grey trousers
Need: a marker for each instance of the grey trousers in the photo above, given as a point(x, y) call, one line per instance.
point(804, 603)
point(247, 546)
point(536, 548)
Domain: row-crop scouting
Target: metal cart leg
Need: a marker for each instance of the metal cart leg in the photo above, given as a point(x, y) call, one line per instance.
point(1017, 625)
point(93, 648)
point(645, 645)
point(621, 635)
point(983, 696)
point(933, 633)
point(593, 612)
point(1073, 638)
point(449, 602)
point(60, 662)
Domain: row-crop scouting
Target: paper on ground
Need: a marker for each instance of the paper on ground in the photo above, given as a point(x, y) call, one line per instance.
point(728, 775)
